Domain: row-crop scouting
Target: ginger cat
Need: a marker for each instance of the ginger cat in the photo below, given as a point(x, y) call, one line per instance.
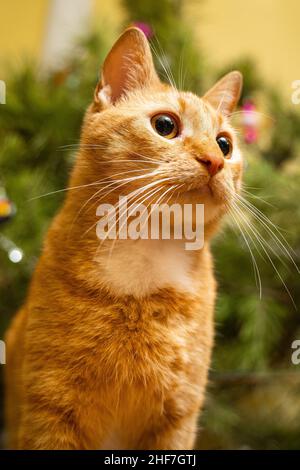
point(112, 347)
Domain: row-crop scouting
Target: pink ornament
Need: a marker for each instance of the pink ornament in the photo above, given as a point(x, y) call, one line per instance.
point(250, 122)
point(145, 27)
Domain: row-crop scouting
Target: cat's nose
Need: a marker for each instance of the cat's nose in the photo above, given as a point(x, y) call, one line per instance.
point(213, 163)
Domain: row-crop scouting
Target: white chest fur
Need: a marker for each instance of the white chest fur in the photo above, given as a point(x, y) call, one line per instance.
point(142, 267)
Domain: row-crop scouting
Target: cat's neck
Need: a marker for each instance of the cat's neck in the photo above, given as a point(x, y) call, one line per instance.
point(143, 267)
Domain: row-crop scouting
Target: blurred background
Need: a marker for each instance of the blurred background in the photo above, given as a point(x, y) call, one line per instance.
point(50, 56)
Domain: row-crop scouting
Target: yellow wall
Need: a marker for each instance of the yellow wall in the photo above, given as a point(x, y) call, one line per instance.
point(21, 29)
point(23, 26)
point(110, 13)
point(268, 30)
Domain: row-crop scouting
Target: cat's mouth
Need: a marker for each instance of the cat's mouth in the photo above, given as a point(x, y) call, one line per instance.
point(206, 189)
point(214, 190)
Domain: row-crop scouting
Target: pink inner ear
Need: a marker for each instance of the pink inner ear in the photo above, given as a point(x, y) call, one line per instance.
point(225, 94)
point(115, 75)
point(129, 65)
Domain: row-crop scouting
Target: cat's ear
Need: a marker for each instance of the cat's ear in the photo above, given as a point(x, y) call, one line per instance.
point(225, 94)
point(128, 66)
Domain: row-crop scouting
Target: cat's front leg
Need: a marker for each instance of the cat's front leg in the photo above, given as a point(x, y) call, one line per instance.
point(175, 430)
point(48, 426)
point(46, 430)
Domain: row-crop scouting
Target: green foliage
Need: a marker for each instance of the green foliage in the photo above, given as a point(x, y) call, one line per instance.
point(253, 399)
point(172, 45)
point(41, 116)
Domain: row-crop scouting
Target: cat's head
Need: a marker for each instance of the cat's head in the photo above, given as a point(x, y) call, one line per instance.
point(142, 133)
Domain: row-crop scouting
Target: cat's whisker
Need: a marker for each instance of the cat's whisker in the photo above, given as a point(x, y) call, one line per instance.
point(142, 190)
point(259, 212)
point(282, 243)
point(262, 219)
point(164, 64)
point(181, 71)
point(145, 159)
point(81, 146)
point(150, 185)
point(114, 188)
point(77, 144)
point(257, 113)
point(253, 259)
point(119, 208)
point(158, 160)
point(174, 187)
point(128, 196)
point(248, 194)
point(268, 224)
point(253, 229)
point(111, 190)
point(154, 173)
point(251, 187)
point(96, 183)
point(264, 245)
point(144, 198)
point(155, 52)
point(136, 192)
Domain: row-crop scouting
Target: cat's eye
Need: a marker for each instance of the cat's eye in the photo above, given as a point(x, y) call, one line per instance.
point(225, 145)
point(165, 125)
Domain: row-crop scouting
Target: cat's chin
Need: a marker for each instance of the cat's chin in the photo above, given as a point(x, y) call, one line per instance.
point(215, 197)
point(214, 194)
